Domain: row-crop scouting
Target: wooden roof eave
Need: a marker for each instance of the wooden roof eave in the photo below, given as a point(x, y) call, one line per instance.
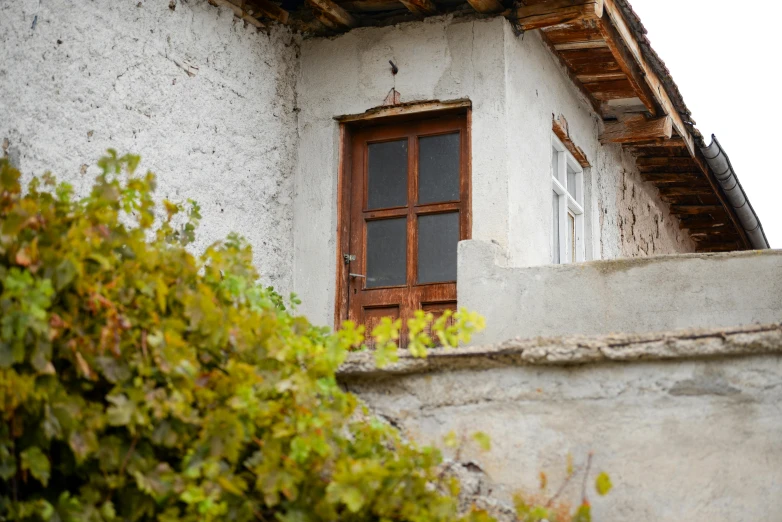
point(627, 84)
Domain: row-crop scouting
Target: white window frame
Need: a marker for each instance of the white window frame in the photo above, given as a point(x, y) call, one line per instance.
point(567, 203)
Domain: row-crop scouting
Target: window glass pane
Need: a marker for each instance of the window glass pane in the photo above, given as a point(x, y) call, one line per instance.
point(386, 252)
point(555, 231)
point(387, 174)
point(438, 236)
point(438, 168)
point(571, 182)
point(571, 238)
point(554, 163)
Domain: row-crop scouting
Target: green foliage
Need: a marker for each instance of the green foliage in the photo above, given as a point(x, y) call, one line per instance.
point(139, 382)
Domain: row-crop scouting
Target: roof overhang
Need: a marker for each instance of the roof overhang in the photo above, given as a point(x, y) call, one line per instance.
point(603, 45)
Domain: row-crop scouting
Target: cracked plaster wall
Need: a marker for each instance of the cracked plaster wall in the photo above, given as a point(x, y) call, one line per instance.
point(207, 101)
point(694, 440)
point(634, 221)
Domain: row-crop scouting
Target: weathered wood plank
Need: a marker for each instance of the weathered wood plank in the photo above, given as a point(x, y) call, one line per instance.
point(560, 128)
point(267, 9)
point(420, 7)
point(588, 44)
point(557, 12)
point(408, 109)
point(668, 178)
point(695, 209)
point(486, 6)
point(651, 79)
point(637, 129)
point(332, 14)
point(685, 191)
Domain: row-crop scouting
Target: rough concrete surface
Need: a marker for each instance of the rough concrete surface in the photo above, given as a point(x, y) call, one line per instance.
point(686, 423)
point(208, 103)
point(647, 294)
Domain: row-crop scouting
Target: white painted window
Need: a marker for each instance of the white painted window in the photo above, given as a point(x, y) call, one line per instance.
point(567, 183)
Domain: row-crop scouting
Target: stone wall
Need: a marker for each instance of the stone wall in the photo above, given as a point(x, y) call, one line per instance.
point(207, 101)
point(686, 423)
point(646, 294)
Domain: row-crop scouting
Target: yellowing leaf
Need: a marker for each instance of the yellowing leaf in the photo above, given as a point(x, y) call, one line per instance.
point(603, 483)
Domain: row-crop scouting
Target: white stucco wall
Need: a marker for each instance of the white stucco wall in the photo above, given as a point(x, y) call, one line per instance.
point(636, 295)
point(515, 85)
point(438, 59)
point(687, 424)
point(207, 102)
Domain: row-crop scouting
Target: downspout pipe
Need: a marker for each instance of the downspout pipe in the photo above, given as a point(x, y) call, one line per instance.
point(720, 164)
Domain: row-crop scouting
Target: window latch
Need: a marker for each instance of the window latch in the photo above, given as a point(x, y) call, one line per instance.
point(348, 258)
point(358, 275)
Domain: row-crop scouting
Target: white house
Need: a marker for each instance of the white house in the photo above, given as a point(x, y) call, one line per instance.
point(388, 155)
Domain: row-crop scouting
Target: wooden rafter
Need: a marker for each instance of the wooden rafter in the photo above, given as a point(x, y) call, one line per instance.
point(638, 129)
point(557, 12)
point(486, 6)
point(332, 15)
point(420, 7)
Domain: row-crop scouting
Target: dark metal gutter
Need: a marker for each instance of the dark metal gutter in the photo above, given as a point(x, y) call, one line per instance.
point(723, 171)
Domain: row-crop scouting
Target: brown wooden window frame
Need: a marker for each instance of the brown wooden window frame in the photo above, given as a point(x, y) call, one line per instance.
point(411, 114)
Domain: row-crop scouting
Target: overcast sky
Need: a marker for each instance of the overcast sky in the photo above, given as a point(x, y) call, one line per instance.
point(724, 60)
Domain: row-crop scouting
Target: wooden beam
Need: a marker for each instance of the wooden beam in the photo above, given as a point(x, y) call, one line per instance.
point(587, 44)
point(561, 130)
point(651, 79)
point(266, 9)
point(332, 15)
point(406, 110)
point(673, 177)
point(664, 161)
point(704, 190)
point(239, 13)
point(696, 209)
point(638, 129)
point(556, 12)
point(420, 7)
point(486, 6)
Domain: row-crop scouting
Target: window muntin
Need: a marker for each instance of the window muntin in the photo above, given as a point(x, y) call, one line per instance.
point(567, 180)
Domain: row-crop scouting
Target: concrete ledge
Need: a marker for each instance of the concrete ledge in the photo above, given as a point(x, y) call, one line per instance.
point(580, 350)
point(652, 294)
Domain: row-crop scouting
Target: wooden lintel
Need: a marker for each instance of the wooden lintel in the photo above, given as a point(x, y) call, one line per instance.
point(420, 7)
point(405, 109)
point(557, 12)
point(560, 128)
point(486, 6)
point(332, 14)
point(639, 129)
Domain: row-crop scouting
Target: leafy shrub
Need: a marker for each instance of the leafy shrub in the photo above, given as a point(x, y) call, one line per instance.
point(140, 382)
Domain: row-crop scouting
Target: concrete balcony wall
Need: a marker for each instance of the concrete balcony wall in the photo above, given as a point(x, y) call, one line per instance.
point(649, 294)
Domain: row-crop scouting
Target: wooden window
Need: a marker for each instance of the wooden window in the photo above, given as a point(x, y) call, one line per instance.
point(405, 205)
point(567, 180)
